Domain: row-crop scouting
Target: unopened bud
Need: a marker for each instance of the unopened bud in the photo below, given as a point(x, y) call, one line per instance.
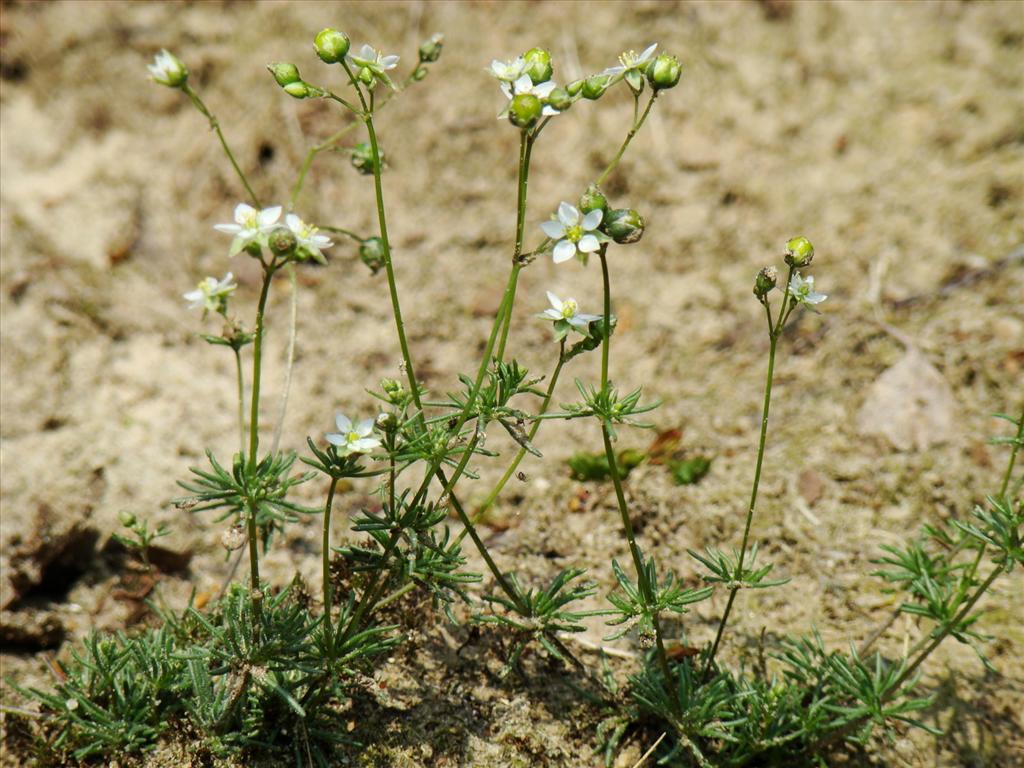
point(538, 65)
point(127, 519)
point(593, 200)
point(302, 90)
point(281, 241)
point(284, 72)
point(664, 72)
point(799, 252)
point(371, 251)
point(575, 87)
point(362, 158)
point(167, 69)
point(766, 279)
point(595, 86)
point(624, 225)
point(365, 76)
point(430, 51)
point(524, 110)
point(559, 99)
point(331, 45)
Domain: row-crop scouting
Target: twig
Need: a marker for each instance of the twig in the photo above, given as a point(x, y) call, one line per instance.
point(650, 751)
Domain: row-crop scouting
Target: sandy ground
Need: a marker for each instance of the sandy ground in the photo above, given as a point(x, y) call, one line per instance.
point(890, 134)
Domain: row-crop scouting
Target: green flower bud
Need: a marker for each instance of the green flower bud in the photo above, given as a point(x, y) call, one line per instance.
point(593, 199)
point(624, 225)
point(331, 45)
point(127, 518)
point(799, 252)
point(524, 110)
point(418, 74)
point(254, 249)
point(595, 86)
point(574, 87)
point(538, 65)
point(281, 241)
point(430, 51)
point(560, 99)
point(394, 390)
point(371, 251)
point(362, 158)
point(766, 279)
point(365, 76)
point(284, 72)
point(663, 72)
point(302, 90)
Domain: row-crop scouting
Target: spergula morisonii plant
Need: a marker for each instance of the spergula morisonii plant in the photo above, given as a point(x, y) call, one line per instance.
point(269, 669)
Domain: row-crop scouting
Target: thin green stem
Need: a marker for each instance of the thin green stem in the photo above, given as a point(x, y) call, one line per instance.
point(293, 325)
point(215, 125)
point(326, 553)
point(256, 590)
point(646, 590)
point(525, 150)
point(403, 590)
point(637, 124)
point(773, 346)
point(1013, 458)
point(240, 376)
point(341, 231)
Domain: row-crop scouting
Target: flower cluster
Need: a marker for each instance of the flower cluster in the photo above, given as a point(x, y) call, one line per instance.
point(255, 230)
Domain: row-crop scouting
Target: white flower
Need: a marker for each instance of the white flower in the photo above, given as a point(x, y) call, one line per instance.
point(307, 237)
point(353, 438)
point(251, 226)
point(573, 232)
point(510, 71)
point(369, 58)
point(630, 61)
point(566, 315)
point(167, 69)
point(211, 294)
point(523, 84)
point(802, 289)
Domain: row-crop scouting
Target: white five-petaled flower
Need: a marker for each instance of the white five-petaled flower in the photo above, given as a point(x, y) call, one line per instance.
point(211, 294)
point(523, 84)
point(508, 71)
point(353, 438)
point(802, 289)
point(573, 232)
point(370, 58)
point(167, 69)
point(307, 236)
point(251, 226)
point(565, 315)
point(631, 61)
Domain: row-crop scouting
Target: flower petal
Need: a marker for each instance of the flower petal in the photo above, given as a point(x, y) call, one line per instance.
point(592, 219)
point(588, 244)
point(335, 439)
point(343, 422)
point(364, 427)
point(648, 51)
point(294, 223)
point(269, 216)
point(243, 211)
point(231, 229)
point(563, 251)
point(389, 62)
point(553, 229)
point(523, 85)
point(556, 302)
point(568, 214)
point(543, 90)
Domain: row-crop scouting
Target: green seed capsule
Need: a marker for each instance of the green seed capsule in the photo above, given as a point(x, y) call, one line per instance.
point(331, 45)
point(524, 110)
point(538, 65)
point(664, 72)
point(624, 225)
point(799, 252)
